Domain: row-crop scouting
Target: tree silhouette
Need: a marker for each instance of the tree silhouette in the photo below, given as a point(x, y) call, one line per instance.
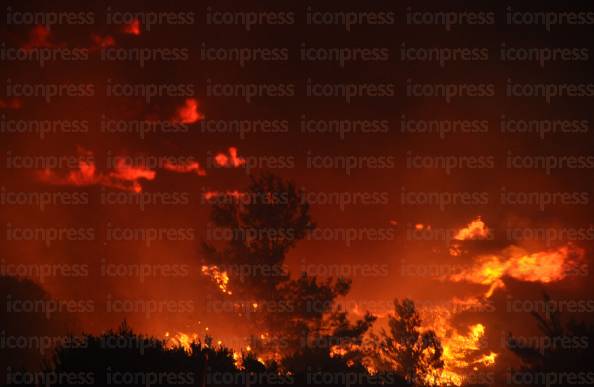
point(41, 329)
point(560, 349)
point(267, 220)
point(264, 223)
point(415, 354)
point(124, 357)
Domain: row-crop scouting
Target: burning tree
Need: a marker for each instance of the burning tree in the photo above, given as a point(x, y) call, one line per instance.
point(258, 228)
point(293, 314)
point(417, 355)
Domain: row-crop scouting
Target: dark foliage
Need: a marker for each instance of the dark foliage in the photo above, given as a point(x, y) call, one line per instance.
point(562, 353)
point(122, 357)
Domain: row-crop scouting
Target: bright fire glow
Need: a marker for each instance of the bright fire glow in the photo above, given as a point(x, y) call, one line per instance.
point(221, 278)
point(462, 351)
point(474, 230)
point(180, 339)
point(185, 341)
point(545, 266)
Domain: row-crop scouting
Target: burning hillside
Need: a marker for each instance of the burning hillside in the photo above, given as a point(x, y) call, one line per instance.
point(260, 193)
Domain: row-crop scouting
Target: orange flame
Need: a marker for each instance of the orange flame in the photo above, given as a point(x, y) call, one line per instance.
point(185, 340)
point(181, 340)
point(462, 352)
point(474, 230)
point(221, 278)
point(545, 266)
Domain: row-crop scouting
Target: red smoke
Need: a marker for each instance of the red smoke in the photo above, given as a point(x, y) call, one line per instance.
point(11, 103)
point(188, 113)
point(102, 41)
point(231, 161)
point(133, 28)
point(190, 167)
point(124, 177)
point(39, 37)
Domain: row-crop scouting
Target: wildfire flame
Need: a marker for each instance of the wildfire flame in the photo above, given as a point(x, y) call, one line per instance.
point(463, 352)
point(474, 230)
point(185, 340)
point(464, 348)
point(181, 340)
point(221, 278)
point(545, 266)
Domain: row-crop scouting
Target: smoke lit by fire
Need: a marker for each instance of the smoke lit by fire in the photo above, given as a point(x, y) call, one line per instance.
point(190, 167)
point(132, 80)
point(39, 37)
point(231, 160)
point(11, 103)
point(132, 28)
point(544, 266)
point(123, 177)
point(188, 113)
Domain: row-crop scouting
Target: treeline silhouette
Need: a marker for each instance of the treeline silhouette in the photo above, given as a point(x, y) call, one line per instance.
point(317, 342)
point(123, 357)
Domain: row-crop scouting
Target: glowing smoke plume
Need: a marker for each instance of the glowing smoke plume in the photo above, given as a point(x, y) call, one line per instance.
point(190, 167)
point(188, 113)
point(544, 266)
point(231, 160)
